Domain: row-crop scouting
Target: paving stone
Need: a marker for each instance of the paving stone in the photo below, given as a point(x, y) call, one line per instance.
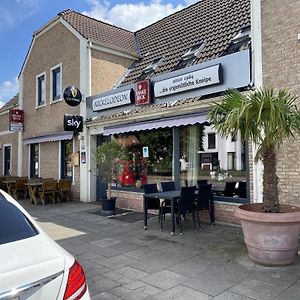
point(293, 292)
point(100, 284)
point(105, 296)
point(258, 289)
point(181, 293)
point(229, 295)
point(164, 279)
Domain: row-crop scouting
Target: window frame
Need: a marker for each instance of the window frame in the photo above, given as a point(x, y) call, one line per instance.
point(37, 94)
point(4, 160)
point(54, 68)
point(62, 160)
point(31, 163)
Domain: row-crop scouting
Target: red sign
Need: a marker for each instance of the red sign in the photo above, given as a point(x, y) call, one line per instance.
point(142, 92)
point(16, 115)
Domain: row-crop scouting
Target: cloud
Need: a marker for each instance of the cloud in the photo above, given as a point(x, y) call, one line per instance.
point(7, 18)
point(8, 89)
point(132, 16)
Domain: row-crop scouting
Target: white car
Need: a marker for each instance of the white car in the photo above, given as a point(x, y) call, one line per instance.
point(32, 266)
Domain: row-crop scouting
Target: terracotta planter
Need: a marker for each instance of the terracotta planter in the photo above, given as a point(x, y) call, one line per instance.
point(271, 238)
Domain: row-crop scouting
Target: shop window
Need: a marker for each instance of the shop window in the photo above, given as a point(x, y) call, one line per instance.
point(211, 141)
point(7, 160)
point(56, 83)
point(218, 167)
point(149, 157)
point(41, 90)
point(66, 154)
point(34, 160)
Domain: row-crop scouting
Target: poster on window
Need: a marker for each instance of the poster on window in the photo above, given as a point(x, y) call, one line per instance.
point(83, 157)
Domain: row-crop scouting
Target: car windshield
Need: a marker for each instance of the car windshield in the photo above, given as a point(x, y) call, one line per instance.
point(14, 225)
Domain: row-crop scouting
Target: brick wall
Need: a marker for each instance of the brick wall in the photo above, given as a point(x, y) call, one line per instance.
point(224, 212)
point(281, 69)
point(106, 70)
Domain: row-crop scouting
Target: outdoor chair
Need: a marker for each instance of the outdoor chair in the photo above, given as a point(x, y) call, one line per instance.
point(151, 202)
point(186, 204)
point(201, 181)
point(20, 188)
point(229, 189)
point(64, 189)
point(203, 201)
point(166, 204)
point(241, 190)
point(48, 190)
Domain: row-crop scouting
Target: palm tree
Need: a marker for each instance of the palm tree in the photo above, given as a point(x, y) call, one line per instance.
point(264, 118)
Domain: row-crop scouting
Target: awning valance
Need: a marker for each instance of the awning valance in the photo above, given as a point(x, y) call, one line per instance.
point(200, 118)
point(53, 137)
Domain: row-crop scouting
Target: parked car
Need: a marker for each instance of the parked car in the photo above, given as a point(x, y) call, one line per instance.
point(32, 266)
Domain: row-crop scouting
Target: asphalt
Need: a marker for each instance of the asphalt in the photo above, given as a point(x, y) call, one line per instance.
point(123, 261)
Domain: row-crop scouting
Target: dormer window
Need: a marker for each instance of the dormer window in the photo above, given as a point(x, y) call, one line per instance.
point(239, 42)
point(189, 56)
point(193, 52)
point(153, 66)
point(150, 69)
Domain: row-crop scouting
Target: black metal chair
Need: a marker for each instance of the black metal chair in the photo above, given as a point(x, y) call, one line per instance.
point(201, 181)
point(203, 202)
point(186, 204)
point(168, 186)
point(241, 190)
point(166, 204)
point(229, 189)
point(151, 202)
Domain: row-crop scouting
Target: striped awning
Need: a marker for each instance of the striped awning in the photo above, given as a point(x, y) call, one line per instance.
point(53, 137)
point(192, 119)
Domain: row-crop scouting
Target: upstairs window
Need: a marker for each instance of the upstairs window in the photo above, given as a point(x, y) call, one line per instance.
point(56, 83)
point(190, 55)
point(239, 42)
point(211, 138)
point(150, 69)
point(41, 89)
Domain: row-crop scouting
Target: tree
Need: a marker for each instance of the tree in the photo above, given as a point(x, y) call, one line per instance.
point(109, 158)
point(264, 118)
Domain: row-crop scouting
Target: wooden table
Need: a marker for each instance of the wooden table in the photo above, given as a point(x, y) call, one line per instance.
point(9, 185)
point(32, 189)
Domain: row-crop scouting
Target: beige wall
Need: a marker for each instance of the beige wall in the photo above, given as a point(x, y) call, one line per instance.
point(55, 46)
point(281, 69)
point(4, 121)
point(106, 70)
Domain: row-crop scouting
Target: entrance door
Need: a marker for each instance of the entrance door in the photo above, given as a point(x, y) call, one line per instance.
point(7, 160)
point(101, 186)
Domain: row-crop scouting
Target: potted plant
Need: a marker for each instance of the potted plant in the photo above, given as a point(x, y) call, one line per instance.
point(108, 158)
point(270, 229)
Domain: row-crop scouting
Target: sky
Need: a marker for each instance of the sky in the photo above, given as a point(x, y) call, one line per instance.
point(20, 18)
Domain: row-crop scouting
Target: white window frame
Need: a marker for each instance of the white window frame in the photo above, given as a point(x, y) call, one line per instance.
point(51, 83)
point(37, 90)
point(3, 154)
point(29, 160)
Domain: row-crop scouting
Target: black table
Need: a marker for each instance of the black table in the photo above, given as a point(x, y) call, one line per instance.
point(173, 196)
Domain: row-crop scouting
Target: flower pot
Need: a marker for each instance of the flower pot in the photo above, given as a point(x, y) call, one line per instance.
point(271, 238)
point(108, 205)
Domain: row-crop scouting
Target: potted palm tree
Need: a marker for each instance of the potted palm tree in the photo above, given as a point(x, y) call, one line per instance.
point(270, 229)
point(108, 158)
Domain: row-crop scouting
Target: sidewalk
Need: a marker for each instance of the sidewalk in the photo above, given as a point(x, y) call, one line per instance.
point(123, 261)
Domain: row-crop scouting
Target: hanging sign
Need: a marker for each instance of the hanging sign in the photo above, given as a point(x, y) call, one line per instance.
point(15, 127)
point(16, 115)
point(73, 123)
point(72, 95)
point(142, 92)
point(193, 80)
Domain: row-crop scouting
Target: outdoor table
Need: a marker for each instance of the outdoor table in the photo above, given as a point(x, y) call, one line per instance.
point(9, 185)
point(173, 196)
point(32, 187)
